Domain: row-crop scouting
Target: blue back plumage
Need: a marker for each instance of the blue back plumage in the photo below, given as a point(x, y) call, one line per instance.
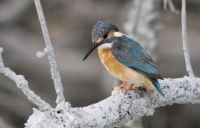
point(131, 54)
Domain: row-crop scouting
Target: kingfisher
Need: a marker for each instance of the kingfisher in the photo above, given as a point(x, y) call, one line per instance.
point(124, 58)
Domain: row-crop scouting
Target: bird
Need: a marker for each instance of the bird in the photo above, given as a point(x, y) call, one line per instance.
point(123, 57)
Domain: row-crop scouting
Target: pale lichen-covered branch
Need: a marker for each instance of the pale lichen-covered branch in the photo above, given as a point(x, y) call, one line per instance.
point(143, 23)
point(115, 110)
point(22, 84)
point(120, 107)
point(55, 74)
point(171, 6)
point(185, 40)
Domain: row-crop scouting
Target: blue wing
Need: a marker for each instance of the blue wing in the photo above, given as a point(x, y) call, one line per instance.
point(157, 85)
point(132, 54)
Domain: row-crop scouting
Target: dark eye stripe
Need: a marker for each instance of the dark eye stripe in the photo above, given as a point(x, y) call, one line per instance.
point(105, 36)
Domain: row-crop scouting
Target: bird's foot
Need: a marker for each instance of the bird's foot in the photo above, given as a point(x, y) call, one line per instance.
point(125, 86)
point(122, 85)
point(130, 87)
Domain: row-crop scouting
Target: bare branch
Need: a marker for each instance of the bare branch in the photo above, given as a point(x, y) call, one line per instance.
point(165, 4)
point(172, 8)
point(49, 50)
point(185, 40)
point(22, 84)
point(146, 16)
point(130, 26)
point(119, 107)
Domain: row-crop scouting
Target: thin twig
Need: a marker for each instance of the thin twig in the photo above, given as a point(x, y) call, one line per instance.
point(22, 83)
point(185, 40)
point(131, 24)
point(55, 74)
point(165, 4)
point(172, 7)
point(138, 4)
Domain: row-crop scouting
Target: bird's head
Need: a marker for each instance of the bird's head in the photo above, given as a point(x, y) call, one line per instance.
point(102, 31)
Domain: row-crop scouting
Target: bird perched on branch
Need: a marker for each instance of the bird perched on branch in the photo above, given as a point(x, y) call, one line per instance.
point(124, 58)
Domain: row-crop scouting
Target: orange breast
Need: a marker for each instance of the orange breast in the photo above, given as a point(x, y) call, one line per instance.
point(122, 72)
point(111, 64)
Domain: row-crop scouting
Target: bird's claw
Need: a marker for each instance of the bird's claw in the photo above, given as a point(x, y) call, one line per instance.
point(130, 87)
point(122, 85)
point(126, 87)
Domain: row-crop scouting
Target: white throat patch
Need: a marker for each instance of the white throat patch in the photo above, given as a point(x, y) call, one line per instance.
point(109, 45)
point(106, 45)
point(118, 34)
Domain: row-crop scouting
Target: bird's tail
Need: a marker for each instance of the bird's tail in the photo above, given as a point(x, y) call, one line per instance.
point(157, 85)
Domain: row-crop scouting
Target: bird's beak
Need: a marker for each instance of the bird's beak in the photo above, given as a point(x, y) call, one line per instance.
point(93, 47)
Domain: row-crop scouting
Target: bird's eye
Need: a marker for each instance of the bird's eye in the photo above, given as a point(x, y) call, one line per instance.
point(105, 36)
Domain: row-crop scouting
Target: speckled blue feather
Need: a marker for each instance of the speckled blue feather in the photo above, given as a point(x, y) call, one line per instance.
point(131, 54)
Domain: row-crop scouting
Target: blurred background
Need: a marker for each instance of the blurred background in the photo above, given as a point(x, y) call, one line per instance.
point(70, 23)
